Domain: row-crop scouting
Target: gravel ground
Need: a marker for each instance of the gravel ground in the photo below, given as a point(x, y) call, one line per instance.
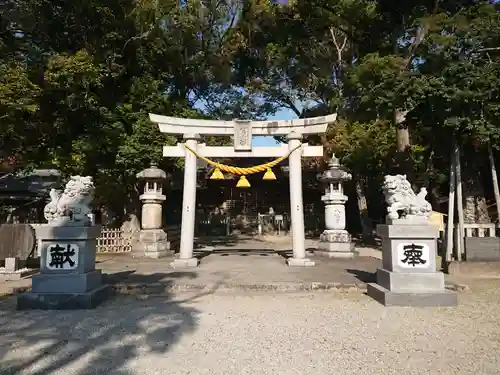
point(258, 333)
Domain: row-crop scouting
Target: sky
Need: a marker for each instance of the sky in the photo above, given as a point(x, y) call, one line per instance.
point(283, 114)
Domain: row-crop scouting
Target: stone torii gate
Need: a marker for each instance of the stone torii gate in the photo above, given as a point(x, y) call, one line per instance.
point(243, 131)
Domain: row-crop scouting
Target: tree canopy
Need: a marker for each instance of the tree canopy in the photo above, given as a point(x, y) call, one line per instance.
point(79, 78)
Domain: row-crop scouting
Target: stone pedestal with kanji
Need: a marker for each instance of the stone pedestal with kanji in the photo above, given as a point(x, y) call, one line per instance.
point(409, 244)
point(68, 278)
point(408, 276)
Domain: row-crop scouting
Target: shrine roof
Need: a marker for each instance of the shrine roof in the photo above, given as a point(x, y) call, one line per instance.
point(34, 183)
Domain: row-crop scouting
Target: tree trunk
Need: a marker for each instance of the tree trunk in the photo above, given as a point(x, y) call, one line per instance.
point(403, 144)
point(360, 195)
point(365, 221)
point(475, 205)
point(494, 177)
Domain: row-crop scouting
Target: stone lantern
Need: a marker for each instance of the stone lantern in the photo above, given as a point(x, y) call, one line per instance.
point(335, 241)
point(152, 238)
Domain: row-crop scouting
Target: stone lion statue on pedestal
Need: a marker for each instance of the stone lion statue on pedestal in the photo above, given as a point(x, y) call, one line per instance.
point(73, 203)
point(401, 198)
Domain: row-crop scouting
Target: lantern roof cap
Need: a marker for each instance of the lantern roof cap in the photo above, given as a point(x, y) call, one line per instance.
point(335, 171)
point(153, 172)
point(333, 162)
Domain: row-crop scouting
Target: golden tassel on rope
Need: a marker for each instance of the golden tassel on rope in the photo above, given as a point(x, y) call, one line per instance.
point(243, 182)
point(217, 175)
point(269, 175)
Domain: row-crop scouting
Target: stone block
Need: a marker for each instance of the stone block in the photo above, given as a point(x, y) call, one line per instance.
point(67, 283)
point(63, 301)
point(330, 235)
point(408, 248)
point(17, 275)
point(68, 278)
point(419, 255)
point(11, 264)
point(386, 297)
point(408, 276)
point(303, 262)
point(152, 244)
point(157, 254)
point(336, 254)
point(184, 263)
point(408, 220)
point(336, 250)
point(16, 241)
point(407, 231)
point(48, 232)
point(336, 246)
point(81, 240)
point(410, 282)
point(482, 249)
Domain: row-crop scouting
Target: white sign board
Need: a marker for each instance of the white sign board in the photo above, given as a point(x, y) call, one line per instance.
point(242, 135)
point(62, 256)
point(413, 255)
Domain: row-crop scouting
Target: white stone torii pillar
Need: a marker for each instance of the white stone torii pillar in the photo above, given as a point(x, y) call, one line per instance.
point(297, 204)
point(186, 258)
point(243, 131)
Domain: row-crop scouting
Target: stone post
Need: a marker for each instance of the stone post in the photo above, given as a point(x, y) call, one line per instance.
point(186, 258)
point(296, 204)
point(152, 238)
point(409, 243)
point(68, 278)
point(335, 241)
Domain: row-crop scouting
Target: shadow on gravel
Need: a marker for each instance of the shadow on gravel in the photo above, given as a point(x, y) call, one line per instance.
point(98, 341)
point(133, 279)
point(229, 241)
point(231, 252)
point(363, 276)
point(288, 253)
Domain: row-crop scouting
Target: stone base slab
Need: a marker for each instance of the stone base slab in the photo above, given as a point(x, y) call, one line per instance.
point(474, 269)
point(304, 262)
point(410, 282)
point(63, 301)
point(482, 249)
point(66, 283)
point(166, 289)
point(336, 254)
point(185, 263)
point(335, 236)
point(384, 296)
point(158, 254)
point(17, 275)
point(343, 250)
point(153, 244)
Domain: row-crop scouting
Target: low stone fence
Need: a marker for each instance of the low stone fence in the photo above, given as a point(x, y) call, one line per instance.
point(482, 241)
point(479, 230)
point(115, 240)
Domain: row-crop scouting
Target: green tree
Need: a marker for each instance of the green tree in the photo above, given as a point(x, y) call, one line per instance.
point(79, 79)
